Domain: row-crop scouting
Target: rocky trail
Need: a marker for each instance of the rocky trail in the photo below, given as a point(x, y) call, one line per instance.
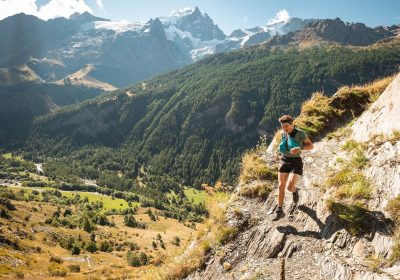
point(314, 244)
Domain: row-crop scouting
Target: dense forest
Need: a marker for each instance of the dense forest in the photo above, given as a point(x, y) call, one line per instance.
point(190, 126)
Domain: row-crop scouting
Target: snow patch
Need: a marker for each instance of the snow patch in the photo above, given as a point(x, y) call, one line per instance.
point(201, 52)
point(117, 26)
point(173, 18)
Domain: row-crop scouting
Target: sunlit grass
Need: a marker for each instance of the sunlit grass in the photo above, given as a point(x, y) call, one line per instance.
point(197, 195)
point(108, 202)
point(320, 112)
point(215, 232)
point(10, 156)
point(354, 216)
point(255, 168)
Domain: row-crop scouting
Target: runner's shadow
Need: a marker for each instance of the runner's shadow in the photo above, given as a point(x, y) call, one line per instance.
point(373, 222)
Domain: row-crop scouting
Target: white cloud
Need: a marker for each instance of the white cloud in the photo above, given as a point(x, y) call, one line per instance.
point(245, 19)
point(11, 7)
point(53, 9)
point(100, 4)
point(280, 16)
point(63, 8)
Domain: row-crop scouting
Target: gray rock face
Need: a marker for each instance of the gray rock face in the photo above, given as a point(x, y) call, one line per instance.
point(383, 117)
point(200, 26)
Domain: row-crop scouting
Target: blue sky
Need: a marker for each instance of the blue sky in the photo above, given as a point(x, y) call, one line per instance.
point(228, 14)
point(233, 14)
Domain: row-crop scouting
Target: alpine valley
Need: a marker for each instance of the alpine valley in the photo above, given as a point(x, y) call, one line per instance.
point(119, 141)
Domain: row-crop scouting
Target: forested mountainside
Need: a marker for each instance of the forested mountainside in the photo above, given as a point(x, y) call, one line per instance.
point(192, 124)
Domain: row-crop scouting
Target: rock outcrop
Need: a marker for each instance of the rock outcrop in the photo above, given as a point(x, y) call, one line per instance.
point(383, 117)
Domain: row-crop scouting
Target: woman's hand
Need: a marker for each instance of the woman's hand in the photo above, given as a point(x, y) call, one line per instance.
point(295, 151)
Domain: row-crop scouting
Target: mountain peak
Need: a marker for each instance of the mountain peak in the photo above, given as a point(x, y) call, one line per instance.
point(85, 17)
point(196, 11)
point(155, 26)
point(199, 25)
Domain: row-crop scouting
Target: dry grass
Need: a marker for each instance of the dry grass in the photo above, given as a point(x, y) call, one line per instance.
point(379, 139)
point(375, 263)
point(193, 257)
point(315, 113)
point(320, 112)
point(352, 190)
point(393, 207)
point(255, 168)
point(372, 90)
point(395, 256)
point(349, 181)
point(37, 263)
point(258, 189)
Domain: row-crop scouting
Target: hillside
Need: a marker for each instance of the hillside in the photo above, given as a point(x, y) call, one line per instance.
point(84, 78)
point(21, 103)
point(345, 225)
point(47, 234)
point(193, 124)
point(50, 228)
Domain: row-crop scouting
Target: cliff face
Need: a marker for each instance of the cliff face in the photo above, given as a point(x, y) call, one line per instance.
point(383, 116)
point(336, 231)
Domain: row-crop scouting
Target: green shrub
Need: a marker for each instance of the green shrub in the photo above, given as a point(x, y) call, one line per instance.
point(56, 259)
point(355, 217)
point(75, 250)
point(105, 246)
point(137, 259)
point(176, 241)
point(57, 270)
point(226, 234)
point(91, 247)
point(74, 268)
point(393, 207)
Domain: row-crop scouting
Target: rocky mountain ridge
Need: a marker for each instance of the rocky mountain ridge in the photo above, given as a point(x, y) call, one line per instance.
point(124, 53)
point(336, 31)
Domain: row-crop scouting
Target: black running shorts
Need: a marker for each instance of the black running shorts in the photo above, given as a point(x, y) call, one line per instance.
point(288, 165)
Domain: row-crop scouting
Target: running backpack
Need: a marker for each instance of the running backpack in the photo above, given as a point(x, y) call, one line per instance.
point(287, 143)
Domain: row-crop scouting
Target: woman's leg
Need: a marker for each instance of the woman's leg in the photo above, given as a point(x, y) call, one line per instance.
point(282, 180)
point(291, 186)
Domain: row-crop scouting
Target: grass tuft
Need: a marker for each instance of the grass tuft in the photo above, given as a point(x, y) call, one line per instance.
point(350, 184)
point(227, 234)
point(354, 216)
point(255, 168)
point(320, 112)
point(259, 189)
point(393, 207)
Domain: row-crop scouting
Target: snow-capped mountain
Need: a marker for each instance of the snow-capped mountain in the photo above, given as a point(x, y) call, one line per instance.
point(248, 37)
point(123, 53)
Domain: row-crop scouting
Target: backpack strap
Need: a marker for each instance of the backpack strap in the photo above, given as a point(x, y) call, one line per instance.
point(285, 137)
